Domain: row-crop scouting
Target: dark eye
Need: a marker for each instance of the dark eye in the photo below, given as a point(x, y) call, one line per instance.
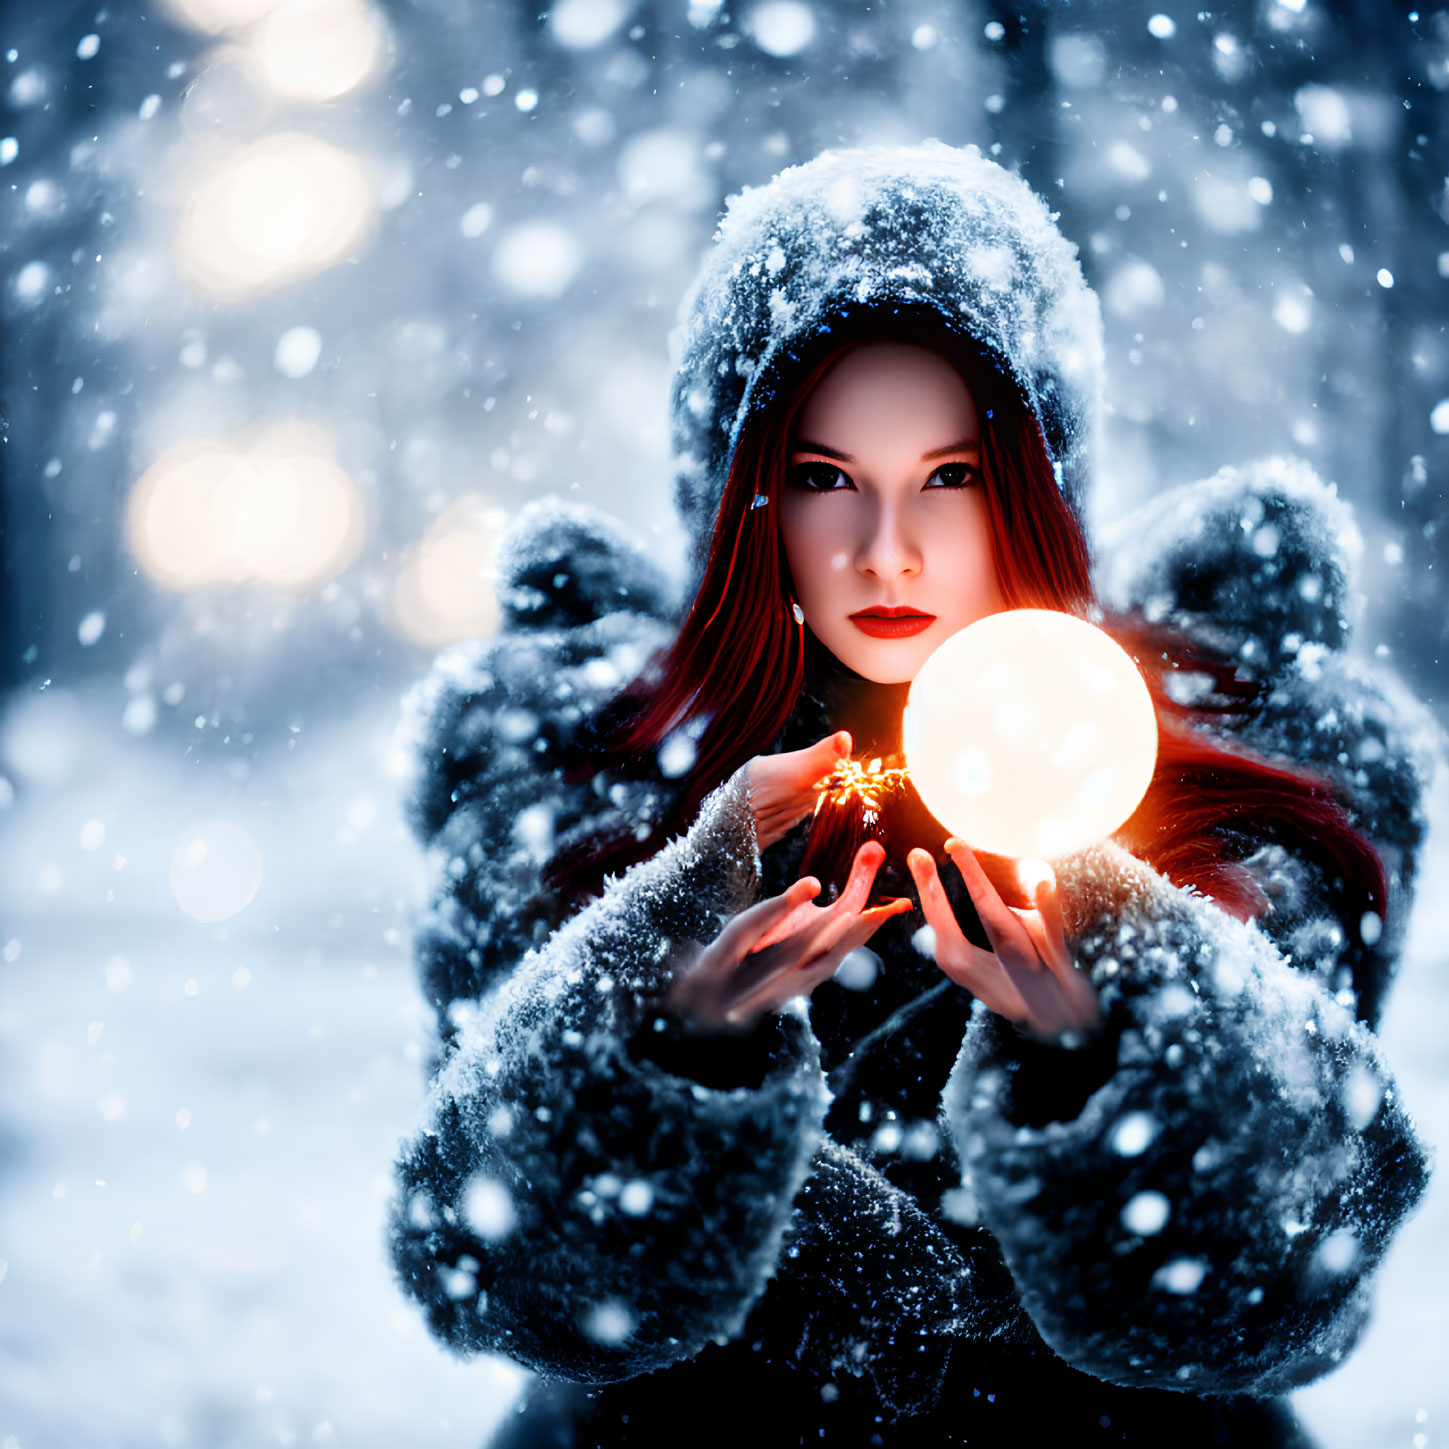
point(954, 475)
point(818, 478)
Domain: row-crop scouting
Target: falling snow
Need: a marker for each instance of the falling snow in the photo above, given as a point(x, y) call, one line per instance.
point(213, 1040)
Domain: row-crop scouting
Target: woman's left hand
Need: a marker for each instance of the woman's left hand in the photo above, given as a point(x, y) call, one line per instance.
point(1028, 975)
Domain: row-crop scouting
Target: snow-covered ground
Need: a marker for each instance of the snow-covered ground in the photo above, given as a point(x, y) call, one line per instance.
point(197, 1121)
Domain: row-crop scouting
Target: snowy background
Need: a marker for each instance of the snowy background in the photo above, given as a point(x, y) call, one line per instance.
point(301, 299)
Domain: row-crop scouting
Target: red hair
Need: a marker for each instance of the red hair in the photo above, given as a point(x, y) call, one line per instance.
point(733, 674)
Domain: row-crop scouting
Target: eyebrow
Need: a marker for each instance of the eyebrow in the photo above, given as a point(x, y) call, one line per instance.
point(965, 445)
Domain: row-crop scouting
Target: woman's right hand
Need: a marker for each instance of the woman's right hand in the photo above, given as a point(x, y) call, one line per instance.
point(781, 948)
point(783, 788)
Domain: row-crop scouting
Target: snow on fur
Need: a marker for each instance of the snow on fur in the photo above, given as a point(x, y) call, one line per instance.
point(882, 228)
point(1194, 1200)
point(1257, 564)
point(1258, 561)
point(553, 1163)
point(1229, 1254)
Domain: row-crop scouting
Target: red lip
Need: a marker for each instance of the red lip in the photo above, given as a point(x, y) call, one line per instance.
point(894, 621)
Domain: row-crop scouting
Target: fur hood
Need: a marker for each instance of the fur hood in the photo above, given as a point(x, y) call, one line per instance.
point(881, 229)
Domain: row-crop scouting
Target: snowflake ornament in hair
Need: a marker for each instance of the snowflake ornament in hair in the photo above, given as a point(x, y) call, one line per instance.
point(876, 232)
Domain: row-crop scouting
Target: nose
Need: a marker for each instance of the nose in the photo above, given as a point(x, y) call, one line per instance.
point(889, 548)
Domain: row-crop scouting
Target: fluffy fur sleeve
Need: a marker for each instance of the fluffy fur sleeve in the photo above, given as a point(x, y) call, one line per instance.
point(1208, 1216)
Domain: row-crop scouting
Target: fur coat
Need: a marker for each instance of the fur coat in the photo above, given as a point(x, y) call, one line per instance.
point(889, 1217)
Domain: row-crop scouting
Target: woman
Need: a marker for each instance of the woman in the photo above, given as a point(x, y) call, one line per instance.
point(1115, 1159)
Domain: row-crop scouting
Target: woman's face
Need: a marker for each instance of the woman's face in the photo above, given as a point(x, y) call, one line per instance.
point(883, 518)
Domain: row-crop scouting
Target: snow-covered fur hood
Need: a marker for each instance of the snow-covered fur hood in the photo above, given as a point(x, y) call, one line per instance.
point(881, 229)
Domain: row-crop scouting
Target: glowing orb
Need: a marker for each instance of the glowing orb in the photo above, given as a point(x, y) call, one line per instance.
point(1030, 733)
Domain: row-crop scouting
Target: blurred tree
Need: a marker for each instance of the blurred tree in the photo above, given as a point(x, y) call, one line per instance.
point(546, 177)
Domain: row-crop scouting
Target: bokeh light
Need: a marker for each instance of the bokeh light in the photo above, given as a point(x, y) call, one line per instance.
point(537, 259)
point(1030, 733)
point(215, 17)
point(583, 24)
point(282, 513)
point(216, 870)
point(781, 27)
point(285, 207)
point(446, 587)
point(172, 525)
point(316, 50)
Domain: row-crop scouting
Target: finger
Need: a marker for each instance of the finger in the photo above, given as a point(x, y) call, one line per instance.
point(843, 933)
point(1002, 926)
point(936, 905)
point(708, 980)
point(834, 748)
point(980, 972)
point(797, 920)
point(1054, 999)
point(1039, 881)
point(983, 975)
point(785, 788)
point(685, 992)
point(745, 930)
point(879, 915)
point(1032, 873)
point(862, 874)
point(796, 966)
point(750, 988)
point(1085, 1009)
point(760, 979)
point(1048, 934)
point(1079, 996)
point(793, 963)
point(822, 966)
point(776, 972)
point(1052, 953)
point(1047, 1008)
point(787, 781)
point(715, 990)
point(816, 762)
